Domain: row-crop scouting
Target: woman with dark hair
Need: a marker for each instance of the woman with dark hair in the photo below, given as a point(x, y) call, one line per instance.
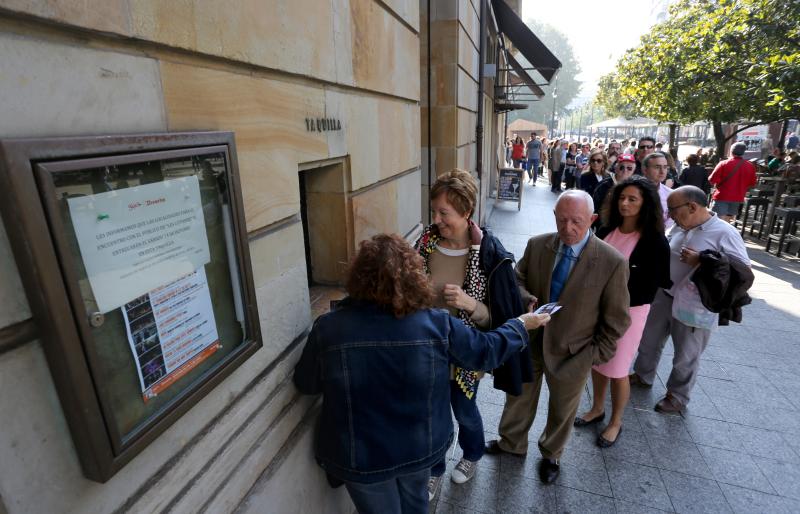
point(518, 152)
point(381, 361)
point(569, 170)
point(633, 223)
point(473, 277)
point(695, 174)
point(598, 163)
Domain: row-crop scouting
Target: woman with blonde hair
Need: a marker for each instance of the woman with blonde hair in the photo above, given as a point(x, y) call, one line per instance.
point(473, 277)
point(598, 163)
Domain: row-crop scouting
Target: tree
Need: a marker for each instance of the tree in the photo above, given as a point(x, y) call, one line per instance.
point(723, 61)
point(566, 83)
point(610, 99)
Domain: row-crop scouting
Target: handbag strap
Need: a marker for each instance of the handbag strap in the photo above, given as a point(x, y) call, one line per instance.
point(731, 174)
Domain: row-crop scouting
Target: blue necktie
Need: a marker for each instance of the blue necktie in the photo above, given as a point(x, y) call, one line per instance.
point(560, 274)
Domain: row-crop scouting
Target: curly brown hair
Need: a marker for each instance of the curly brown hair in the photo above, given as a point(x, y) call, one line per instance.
point(460, 189)
point(388, 272)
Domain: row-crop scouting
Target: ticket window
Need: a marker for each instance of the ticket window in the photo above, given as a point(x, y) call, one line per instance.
point(327, 231)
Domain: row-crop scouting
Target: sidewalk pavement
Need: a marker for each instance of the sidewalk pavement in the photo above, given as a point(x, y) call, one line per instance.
point(736, 448)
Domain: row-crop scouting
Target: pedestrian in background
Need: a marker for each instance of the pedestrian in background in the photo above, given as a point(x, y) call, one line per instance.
point(695, 174)
point(518, 152)
point(556, 167)
point(570, 178)
point(732, 179)
point(533, 152)
point(596, 172)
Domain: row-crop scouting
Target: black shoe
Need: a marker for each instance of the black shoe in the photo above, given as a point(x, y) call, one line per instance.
point(602, 442)
point(548, 470)
point(580, 422)
point(493, 448)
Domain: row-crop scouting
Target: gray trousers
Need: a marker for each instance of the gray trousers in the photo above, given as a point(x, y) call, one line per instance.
point(689, 343)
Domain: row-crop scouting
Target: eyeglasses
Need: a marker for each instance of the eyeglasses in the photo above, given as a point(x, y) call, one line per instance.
point(596, 160)
point(645, 147)
point(670, 210)
point(626, 168)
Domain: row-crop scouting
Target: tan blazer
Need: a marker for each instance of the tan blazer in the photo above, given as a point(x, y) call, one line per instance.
point(594, 302)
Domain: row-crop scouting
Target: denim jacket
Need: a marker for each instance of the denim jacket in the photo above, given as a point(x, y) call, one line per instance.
point(385, 385)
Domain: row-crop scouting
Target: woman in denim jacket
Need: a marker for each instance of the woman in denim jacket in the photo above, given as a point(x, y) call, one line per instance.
point(382, 363)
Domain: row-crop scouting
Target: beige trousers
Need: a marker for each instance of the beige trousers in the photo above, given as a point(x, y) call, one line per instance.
point(520, 411)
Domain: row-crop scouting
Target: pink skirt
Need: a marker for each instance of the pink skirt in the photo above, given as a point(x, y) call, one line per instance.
point(620, 365)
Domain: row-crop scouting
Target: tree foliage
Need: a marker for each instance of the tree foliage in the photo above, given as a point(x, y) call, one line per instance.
point(568, 86)
point(722, 61)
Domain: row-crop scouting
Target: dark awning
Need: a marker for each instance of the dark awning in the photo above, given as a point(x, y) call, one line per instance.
point(523, 75)
point(501, 107)
point(526, 41)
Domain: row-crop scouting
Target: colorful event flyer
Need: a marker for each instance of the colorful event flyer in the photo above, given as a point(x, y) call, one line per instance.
point(171, 329)
point(133, 240)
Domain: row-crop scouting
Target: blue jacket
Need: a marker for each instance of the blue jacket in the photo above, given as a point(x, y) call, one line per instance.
point(386, 385)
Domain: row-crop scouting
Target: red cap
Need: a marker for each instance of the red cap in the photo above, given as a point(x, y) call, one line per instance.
point(626, 158)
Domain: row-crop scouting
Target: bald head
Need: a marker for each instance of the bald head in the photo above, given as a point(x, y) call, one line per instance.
point(576, 195)
point(574, 215)
point(687, 206)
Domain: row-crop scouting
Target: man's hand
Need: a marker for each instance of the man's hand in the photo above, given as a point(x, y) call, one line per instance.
point(690, 256)
point(456, 298)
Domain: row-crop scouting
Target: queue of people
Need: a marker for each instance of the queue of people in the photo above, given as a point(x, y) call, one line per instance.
point(422, 324)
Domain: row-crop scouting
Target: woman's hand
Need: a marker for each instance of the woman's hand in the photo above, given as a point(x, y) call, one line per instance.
point(456, 298)
point(533, 321)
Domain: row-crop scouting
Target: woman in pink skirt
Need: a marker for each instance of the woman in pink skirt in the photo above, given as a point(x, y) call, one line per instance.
point(633, 223)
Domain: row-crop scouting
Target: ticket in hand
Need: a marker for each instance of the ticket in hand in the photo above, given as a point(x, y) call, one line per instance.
point(548, 308)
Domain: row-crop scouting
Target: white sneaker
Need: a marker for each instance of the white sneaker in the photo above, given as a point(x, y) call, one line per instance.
point(433, 487)
point(465, 470)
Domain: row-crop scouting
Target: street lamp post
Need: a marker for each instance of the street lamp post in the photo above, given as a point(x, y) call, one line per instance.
point(553, 118)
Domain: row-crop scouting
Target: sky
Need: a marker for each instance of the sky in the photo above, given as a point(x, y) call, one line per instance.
point(599, 32)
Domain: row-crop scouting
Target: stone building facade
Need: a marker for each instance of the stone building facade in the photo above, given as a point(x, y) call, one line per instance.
point(403, 83)
point(259, 69)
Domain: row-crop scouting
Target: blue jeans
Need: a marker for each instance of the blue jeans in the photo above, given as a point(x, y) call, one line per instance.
point(470, 427)
point(406, 494)
point(533, 169)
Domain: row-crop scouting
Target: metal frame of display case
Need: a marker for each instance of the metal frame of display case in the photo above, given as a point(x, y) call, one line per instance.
point(51, 285)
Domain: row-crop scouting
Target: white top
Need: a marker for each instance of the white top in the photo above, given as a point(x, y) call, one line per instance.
point(663, 193)
point(714, 234)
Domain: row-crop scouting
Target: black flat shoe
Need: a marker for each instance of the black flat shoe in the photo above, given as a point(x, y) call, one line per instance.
point(548, 470)
point(580, 422)
point(602, 442)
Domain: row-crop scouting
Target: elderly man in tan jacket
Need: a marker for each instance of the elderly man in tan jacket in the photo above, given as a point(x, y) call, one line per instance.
point(588, 278)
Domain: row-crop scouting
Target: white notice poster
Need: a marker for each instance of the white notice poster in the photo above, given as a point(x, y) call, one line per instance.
point(171, 330)
point(134, 240)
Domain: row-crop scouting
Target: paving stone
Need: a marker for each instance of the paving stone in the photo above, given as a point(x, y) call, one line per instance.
point(520, 494)
point(784, 476)
point(690, 494)
point(748, 501)
point(571, 500)
point(735, 468)
point(701, 405)
point(584, 479)
point(668, 426)
point(740, 373)
point(681, 456)
point(635, 449)
point(443, 507)
point(638, 484)
point(624, 507)
point(764, 443)
point(760, 416)
point(479, 494)
point(711, 432)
